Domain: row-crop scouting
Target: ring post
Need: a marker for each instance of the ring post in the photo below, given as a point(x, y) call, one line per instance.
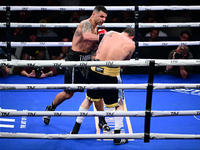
point(136, 33)
point(8, 33)
point(149, 101)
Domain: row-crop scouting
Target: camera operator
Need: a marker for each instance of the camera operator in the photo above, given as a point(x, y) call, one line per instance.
point(42, 72)
point(182, 52)
point(39, 72)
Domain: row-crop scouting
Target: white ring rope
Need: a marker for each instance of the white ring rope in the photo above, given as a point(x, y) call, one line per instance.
point(8, 113)
point(148, 8)
point(97, 136)
point(156, 86)
point(67, 8)
point(59, 44)
point(106, 25)
point(132, 62)
point(90, 8)
point(106, 63)
point(168, 43)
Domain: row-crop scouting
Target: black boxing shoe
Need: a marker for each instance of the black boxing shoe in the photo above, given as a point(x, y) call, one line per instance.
point(46, 119)
point(103, 125)
point(76, 128)
point(119, 141)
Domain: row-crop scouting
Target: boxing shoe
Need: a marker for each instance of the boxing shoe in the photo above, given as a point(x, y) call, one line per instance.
point(46, 119)
point(119, 141)
point(76, 128)
point(103, 125)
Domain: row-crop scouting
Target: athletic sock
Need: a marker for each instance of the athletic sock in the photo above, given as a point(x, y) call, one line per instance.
point(79, 119)
point(118, 121)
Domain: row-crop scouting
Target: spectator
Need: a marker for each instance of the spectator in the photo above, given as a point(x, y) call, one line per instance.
point(30, 53)
point(182, 52)
point(22, 17)
point(83, 14)
point(45, 32)
point(185, 36)
point(53, 17)
point(60, 53)
point(40, 72)
point(74, 15)
point(152, 52)
point(5, 70)
point(153, 35)
point(152, 17)
point(127, 15)
point(19, 34)
point(160, 33)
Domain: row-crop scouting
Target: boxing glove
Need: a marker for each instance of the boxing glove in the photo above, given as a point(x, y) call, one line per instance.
point(101, 33)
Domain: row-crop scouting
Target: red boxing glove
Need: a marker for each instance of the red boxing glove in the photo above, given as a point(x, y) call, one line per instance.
point(101, 33)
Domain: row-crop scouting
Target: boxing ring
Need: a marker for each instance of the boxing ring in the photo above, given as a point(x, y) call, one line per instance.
point(149, 88)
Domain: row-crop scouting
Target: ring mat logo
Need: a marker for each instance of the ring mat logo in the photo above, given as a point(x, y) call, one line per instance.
point(187, 91)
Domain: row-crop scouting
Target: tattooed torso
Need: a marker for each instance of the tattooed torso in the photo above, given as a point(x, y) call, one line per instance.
point(79, 43)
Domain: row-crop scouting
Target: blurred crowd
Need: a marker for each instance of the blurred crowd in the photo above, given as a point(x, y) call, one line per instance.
point(65, 34)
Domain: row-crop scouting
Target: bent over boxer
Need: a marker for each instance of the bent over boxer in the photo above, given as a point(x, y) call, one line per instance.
point(113, 47)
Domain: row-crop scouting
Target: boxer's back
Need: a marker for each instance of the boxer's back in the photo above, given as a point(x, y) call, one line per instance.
point(115, 46)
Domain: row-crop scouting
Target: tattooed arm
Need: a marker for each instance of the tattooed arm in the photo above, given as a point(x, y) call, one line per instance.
point(88, 32)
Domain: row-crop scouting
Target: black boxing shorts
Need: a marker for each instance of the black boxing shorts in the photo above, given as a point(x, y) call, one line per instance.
point(104, 75)
point(76, 75)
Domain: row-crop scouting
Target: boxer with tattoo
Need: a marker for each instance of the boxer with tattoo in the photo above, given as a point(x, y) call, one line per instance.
point(83, 42)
